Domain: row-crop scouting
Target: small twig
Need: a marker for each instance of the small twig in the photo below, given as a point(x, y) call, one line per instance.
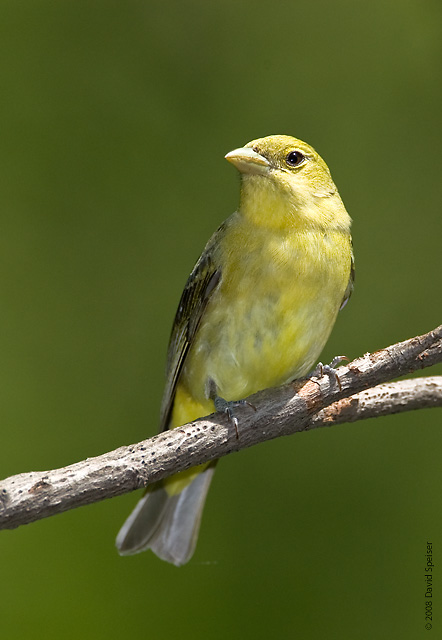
point(383, 400)
point(298, 406)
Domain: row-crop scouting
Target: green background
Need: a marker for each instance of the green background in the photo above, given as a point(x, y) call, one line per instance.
point(114, 121)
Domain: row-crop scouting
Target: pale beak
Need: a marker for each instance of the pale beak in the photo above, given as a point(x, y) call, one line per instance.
point(248, 161)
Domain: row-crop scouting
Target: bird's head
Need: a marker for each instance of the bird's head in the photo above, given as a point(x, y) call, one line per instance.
point(286, 182)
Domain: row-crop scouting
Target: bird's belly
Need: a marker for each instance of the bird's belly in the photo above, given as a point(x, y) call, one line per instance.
point(262, 336)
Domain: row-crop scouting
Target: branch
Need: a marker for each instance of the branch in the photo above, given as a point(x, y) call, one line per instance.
point(297, 406)
point(383, 400)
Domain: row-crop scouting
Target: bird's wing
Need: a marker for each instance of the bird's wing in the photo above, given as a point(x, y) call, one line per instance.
point(202, 282)
point(350, 285)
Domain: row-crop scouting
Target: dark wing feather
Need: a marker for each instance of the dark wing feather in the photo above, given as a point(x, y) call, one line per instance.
point(350, 285)
point(202, 282)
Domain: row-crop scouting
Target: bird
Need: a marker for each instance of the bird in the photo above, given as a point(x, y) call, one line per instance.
point(256, 312)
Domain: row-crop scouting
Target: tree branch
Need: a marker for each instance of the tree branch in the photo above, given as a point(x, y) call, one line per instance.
point(297, 406)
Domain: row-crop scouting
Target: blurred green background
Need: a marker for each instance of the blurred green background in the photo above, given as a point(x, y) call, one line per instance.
point(114, 121)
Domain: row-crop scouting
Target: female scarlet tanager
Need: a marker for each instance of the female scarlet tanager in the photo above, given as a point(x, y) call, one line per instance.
point(256, 312)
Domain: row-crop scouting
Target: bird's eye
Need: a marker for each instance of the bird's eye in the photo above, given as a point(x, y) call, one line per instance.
point(295, 158)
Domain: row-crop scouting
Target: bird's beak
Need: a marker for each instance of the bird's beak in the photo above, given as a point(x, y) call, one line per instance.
point(248, 161)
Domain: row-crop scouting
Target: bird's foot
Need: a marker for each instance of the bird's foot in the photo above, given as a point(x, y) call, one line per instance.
point(228, 407)
point(329, 370)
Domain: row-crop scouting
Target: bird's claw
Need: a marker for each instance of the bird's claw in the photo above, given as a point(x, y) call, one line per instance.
point(329, 370)
point(228, 407)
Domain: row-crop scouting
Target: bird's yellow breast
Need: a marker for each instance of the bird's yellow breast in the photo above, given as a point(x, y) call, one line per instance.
point(275, 307)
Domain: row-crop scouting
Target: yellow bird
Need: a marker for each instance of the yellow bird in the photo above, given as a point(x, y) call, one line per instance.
point(256, 312)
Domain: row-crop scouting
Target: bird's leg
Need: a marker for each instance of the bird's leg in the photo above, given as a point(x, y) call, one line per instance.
point(226, 406)
point(329, 370)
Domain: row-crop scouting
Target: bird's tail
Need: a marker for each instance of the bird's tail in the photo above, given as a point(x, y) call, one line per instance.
point(167, 524)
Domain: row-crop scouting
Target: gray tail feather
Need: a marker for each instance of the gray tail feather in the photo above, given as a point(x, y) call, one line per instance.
point(166, 524)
